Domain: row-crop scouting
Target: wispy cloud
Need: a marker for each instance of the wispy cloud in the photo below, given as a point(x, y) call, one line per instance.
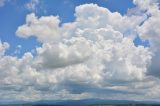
point(2, 2)
point(32, 5)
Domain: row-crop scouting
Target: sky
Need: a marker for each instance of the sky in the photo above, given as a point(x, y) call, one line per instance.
point(79, 49)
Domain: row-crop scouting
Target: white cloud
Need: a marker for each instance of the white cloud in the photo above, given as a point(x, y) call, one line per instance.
point(99, 14)
point(92, 55)
point(45, 28)
point(18, 50)
point(63, 54)
point(3, 47)
point(49, 26)
point(150, 30)
point(32, 5)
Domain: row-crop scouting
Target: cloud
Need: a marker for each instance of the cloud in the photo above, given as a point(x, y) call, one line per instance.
point(18, 49)
point(63, 54)
point(45, 28)
point(3, 47)
point(32, 5)
point(53, 31)
point(93, 55)
point(150, 30)
point(2, 3)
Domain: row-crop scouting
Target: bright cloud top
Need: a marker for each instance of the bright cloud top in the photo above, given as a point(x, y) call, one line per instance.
point(94, 55)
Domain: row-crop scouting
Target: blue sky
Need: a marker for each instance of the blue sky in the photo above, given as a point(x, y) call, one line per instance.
point(13, 15)
point(78, 49)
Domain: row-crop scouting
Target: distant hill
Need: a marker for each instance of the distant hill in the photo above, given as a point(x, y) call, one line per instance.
point(84, 102)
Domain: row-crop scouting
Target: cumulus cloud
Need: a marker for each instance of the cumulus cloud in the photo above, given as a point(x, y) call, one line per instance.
point(45, 28)
point(93, 55)
point(150, 30)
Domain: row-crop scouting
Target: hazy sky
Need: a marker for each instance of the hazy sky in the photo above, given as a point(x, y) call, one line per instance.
point(78, 49)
